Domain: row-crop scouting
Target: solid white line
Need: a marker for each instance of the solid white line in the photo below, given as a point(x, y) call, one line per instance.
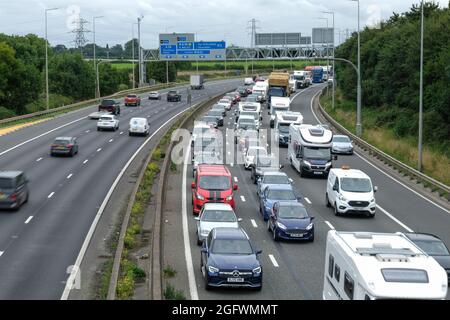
point(254, 223)
point(187, 248)
point(87, 131)
point(85, 161)
point(99, 149)
point(307, 200)
point(395, 219)
point(28, 220)
point(330, 225)
point(1, 253)
point(39, 136)
point(111, 140)
point(236, 179)
point(243, 198)
point(50, 195)
point(37, 160)
point(274, 262)
point(69, 176)
point(121, 132)
point(87, 239)
point(380, 170)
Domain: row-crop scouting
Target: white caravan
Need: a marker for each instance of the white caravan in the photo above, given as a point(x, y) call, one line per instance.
point(282, 122)
point(371, 266)
point(278, 104)
point(309, 149)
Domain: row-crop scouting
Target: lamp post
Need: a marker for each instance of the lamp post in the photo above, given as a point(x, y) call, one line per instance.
point(167, 63)
point(132, 49)
point(141, 74)
point(97, 94)
point(358, 104)
point(46, 59)
point(328, 61)
point(334, 78)
point(419, 166)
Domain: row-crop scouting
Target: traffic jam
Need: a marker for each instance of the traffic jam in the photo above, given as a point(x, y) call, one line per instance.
point(263, 123)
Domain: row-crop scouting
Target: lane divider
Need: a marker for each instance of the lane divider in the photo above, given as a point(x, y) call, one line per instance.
point(51, 195)
point(28, 220)
point(329, 225)
point(253, 223)
point(274, 261)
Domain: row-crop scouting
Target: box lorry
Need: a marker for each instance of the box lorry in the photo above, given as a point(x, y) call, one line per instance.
point(278, 86)
point(196, 81)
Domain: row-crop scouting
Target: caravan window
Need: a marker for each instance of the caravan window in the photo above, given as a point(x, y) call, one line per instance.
point(405, 275)
point(337, 272)
point(330, 265)
point(349, 286)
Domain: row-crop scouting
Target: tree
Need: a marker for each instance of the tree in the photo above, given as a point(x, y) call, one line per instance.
point(157, 70)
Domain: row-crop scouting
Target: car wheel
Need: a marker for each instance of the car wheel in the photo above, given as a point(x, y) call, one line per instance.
point(336, 212)
point(199, 242)
point(371, 215)
point(72, 153)
point(130, 134)
point(258, 288)
point(327, 201)
point(26, 199)
point(268, 225)
point(301, 172)
point(98, 129)
point(275, 235)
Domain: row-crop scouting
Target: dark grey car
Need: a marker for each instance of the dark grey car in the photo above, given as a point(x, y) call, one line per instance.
point(13, 189)
point(64, 146)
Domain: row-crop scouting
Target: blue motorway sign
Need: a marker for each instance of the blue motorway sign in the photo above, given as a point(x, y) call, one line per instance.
point(194, 52)
point(182, 47)
point(168, 49)
point(185, 46)
point(209, 45)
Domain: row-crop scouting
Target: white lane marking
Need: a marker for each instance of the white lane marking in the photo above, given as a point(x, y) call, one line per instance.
point(37, 160)
point(236, 179)
point(243, 198)
point(254, 223)
point(50, 195)
point(76, 266)
point(28, 220)
point(1, 253)
point(330, 225)
point(70, 176)
point(111, 140)
point(87, 131)
point(231, 164)
point(85, 161)
point(274, 262)
point(99, 149)
point(307, 200)
point(229, 123)
point(395, 219)
point(39, 136)
point(229, 152)
point(187, 248)
point(121, 132)
point(380, 170)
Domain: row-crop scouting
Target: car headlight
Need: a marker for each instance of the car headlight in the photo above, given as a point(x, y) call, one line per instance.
point(281, 226)
point(213, 269)
point(373, 200)
point(205, 232)
point(307, 163)
point(229, 198)
point(257, 270)
point(200, 197)
point(328, 164)
point(342, 198)
point(310, 226)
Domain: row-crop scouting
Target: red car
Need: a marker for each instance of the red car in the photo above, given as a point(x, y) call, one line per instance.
point(132, 100)
point(212, 183)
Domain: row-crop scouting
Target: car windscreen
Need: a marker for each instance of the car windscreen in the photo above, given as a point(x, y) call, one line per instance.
point(292, 212)
point(265, 161)
point(231, 246)
point(131, 96)
point(276, 92)
point(247, 126)
point(299, 77)
point(356, 185)
point(341, 139)
point(108, 102)
point(404, 275)
point(255, 115)
point(215, 113)
point(218, 216)
point(284, 127)
point(106, 119)
point(269, 179)
point(251, 99)
point(62, 142)
point(137, 122)
point(433, 248)
point(316, 153)
point(6, 183)
point(281, 195)
point(215, 183)
point(278, 109)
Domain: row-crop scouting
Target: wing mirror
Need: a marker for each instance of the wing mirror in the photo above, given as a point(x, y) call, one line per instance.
point(312, 218)
point(375, 189)
point(335, 157)
point(291, 181)
point(258, 251)
point(239, 219)
point(197, 218)
point(204, 250)
point(281, 166)
point(235, 187)
point(193, 185)
point(335, 188)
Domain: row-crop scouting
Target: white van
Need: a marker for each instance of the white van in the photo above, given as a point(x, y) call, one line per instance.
point(350, 191)
point(139, 126)
point(261, 87)
point(371, 266)
point(278, 104)
point(248, 81)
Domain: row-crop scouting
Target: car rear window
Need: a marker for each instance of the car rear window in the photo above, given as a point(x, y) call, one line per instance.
point(106, 118)
point(6, 183)
point(433, 248)
point(275, 179)
point(215, 183)
point(62, 142)
point(131, 96)
point(218, 216)
point(281, 195)
point(108, 102)
point(137, 121)
point(232, 246)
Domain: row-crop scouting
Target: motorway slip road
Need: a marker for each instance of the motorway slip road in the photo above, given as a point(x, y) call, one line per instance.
point(40, 242)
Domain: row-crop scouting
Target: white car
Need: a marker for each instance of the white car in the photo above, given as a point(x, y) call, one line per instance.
point(108, 122)
point(97, 114)
point(227, 103)
point(139, 126)
point(350, 191)
point(215, 215)
point(154, 95)
point(251, 154)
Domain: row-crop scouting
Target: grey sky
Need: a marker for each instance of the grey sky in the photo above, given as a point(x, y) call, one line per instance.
point(211, 20)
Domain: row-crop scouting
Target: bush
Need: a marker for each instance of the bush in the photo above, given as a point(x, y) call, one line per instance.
point(122, 87)
point(6, 113)
point(170, 293)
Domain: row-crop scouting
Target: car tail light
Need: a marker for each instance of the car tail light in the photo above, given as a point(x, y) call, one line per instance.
point(69, 146)
point(13, 196)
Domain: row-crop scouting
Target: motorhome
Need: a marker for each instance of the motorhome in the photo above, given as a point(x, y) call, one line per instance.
point(282, 122)
point(279, 104)
point(372, 266)
point(309, 149)
point(261, 87)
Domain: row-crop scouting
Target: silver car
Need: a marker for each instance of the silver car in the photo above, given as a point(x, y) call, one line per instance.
point(215, 215)
point(341, 144)
point(154, 95)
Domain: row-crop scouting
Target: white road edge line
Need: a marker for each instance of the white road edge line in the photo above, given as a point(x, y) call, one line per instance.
point(329, 225)
point(1, 253)
point(387, 175)
point(274, 262)
point(99, 149)
point(39, 159)
point(187, 247)
point(243, 198)
point(395, 219)
point(85, 161)
point(307, 200)
point(70, 176)
point(28, 220)
point(87, 240)
point(111, 140)
point(39, 136)
point(51, 195)
point(254, 223)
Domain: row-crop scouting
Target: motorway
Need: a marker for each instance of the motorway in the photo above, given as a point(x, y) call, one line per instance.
point(41, 240)
point(295, 270)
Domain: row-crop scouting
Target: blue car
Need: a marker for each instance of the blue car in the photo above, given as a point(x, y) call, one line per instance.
point(274, 193)
point(290, 220)
point(270, 178)
point(228, 259)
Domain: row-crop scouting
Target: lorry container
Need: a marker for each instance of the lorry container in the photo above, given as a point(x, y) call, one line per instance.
point(196, 81)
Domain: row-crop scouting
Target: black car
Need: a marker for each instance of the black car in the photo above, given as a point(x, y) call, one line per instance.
point(64, 146)
point(211, 120)
point(110, 105)
point(434, 247)
point(218, 114)
point(264, 164)
point(173, 95)
point(13, 189)
point(242, 92)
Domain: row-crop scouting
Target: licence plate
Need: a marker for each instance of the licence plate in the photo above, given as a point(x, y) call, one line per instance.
point(235, 280)
point(317, 172)
point(358, 209)
point(297, 235)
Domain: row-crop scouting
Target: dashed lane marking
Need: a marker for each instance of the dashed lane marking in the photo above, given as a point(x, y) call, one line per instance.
point(243, 198)
point(51, 195)
point(307, 200)
point(37, 160)
point(85, 161)
point(99, 149)
point(235, 179)
point(274, 261)
point(70, 176)
point(329, 225)
point(111, 140)
point(253, 223)
point(28, 220)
